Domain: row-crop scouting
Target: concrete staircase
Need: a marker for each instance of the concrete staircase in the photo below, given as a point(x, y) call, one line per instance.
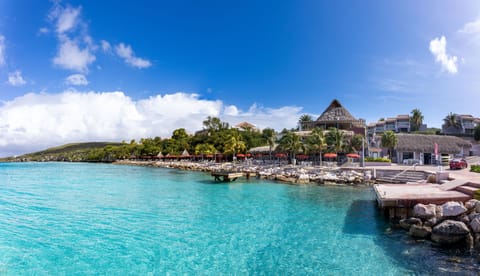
point(401, 177)
point(469, 188)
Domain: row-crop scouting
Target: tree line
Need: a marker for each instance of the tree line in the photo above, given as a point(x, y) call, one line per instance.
point(218, 137)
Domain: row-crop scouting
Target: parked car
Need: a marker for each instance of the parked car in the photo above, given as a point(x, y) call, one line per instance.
point(458, 163)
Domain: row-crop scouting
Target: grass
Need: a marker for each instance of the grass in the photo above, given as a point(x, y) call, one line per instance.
point(475, 168)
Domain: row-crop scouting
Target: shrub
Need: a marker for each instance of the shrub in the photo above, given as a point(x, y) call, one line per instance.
point(477, 195)
point(475, 168)
point(372, 159)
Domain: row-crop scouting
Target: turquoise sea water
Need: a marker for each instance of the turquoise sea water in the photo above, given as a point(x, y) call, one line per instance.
point(77, 219)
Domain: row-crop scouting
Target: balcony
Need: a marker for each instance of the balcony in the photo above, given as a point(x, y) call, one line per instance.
point(390, 127)
point(403, 124)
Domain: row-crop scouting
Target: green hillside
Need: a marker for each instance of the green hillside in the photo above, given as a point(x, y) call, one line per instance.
point(70, 152)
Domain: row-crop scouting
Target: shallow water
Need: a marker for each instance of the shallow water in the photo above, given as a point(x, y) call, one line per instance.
point(63, 218)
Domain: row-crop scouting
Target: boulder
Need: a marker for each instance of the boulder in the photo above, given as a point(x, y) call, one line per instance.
point(475, 223)
point(439, 212)
point(418, 231)
point(424, 211)
point(471, 204)
point(453, 209)
point(465, 219)
point(408, 222)
point(476, 241)
point(450, 232)
point(432, 222)
point(477, 207)
point(472, 215)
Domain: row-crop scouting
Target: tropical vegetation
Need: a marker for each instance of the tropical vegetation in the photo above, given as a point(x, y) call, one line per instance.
point(451, 120)
point(475, 168)
point(416, 120)
point(389, 140)
point(377, 159)
point(216, 137)
point(303, 120)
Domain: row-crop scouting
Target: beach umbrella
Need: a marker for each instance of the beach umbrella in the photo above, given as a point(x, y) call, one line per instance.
point(301, 156)
point(353, 155)
point(248, 155)
point(241, 155)
point(280, 155)
point(330, 155)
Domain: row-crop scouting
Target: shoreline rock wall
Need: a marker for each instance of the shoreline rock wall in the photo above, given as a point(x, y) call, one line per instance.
point(452, 223)
point(286, 174)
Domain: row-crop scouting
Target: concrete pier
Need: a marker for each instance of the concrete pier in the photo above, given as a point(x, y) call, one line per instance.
point(225, 176)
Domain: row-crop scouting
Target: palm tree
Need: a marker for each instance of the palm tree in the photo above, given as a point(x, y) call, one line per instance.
point(234, 143)
point(291, 143)
point(389, 140)
point(416, 120)
point(205, 149)
point(451, 120)
point(355, 143)
point(304, 120)
point(269, 135)
point(316, 142)
point(335, 140)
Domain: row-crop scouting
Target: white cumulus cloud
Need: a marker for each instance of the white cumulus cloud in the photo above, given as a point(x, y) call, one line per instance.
point(106, 47)
point(76, 79)
point(67, 19)
point(37, 120)
point(471, 27)
point(16, 79)
point(126, 52)
point(2, 50)
point(71, 56)
point(438, 47)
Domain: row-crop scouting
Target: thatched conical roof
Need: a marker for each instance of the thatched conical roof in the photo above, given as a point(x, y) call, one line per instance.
point(185, 153)
point(160, 155)
point(426, 143)
point(335, 112)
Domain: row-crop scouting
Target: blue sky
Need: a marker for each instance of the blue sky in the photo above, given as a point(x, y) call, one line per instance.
point(113, 70)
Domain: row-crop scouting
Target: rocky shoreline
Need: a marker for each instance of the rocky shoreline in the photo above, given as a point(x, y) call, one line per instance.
point(449, 224)
point(282, 173)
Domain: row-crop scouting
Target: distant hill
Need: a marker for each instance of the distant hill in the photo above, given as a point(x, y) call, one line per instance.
point(69, 152)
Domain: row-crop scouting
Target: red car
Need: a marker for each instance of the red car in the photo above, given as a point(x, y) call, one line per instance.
point(458, 163)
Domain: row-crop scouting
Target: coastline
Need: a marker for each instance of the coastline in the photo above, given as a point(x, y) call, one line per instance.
point(290, 174)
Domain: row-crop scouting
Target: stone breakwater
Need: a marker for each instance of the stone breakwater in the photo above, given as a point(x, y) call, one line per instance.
point(453, 223)
point(286, 173)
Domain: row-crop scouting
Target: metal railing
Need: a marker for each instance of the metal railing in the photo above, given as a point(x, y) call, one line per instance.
point(404, 171)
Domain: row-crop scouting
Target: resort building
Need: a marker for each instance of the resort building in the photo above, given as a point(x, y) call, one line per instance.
point(246, 126)
point(465, 125)
point(399, 124)
point(338, 117)
point(419, 148)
